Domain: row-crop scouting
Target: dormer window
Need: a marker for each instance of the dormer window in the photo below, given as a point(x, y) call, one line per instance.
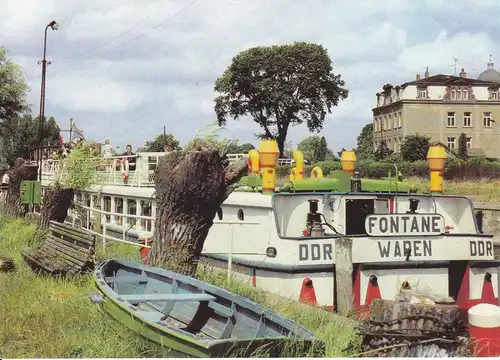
point(494, 92)
point(421, 93)
point(459, 94)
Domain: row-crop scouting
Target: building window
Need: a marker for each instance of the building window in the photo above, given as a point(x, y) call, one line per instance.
point(386, 122)
point(459, 95)
point(467, 119)
point(451, 142)
point(465, 95)
point(399, 120)
point(487, 119)
point(422, 93)
point(469, 142)
point(450, 120)
point(453, 95)
point(494, 95)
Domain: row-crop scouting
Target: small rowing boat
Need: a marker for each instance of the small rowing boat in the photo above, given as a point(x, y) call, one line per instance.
point(194, 318)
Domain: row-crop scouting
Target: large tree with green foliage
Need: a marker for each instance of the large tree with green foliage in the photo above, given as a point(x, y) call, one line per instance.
point(415, 147)
point(462, 146)
point(159, 142)
point(382, 151)
point(279, 86)
point(13, 90)
point(23, 135)
point(364, 148)
point(315, 148)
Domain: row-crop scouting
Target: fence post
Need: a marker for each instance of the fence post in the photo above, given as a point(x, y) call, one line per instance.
point(104, 238)
point(343, 274)
point(230, 255)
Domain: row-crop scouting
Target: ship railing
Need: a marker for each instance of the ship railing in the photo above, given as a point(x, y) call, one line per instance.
point(111, 170)
point(235, 157)
point(104, 236)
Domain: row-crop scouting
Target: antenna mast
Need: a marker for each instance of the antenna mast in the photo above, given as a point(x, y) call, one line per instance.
point(455, 60)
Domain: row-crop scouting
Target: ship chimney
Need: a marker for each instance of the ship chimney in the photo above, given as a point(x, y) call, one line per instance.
point(426, 75)
point(418, 76)
point(463, 74)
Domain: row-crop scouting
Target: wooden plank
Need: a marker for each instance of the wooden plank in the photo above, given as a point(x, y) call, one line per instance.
point(343, 274)
point(68, 236)
point(77, 231)
point(221, 309)
point(87, 250)
point(59, 249)
point(61, 258)
point(71, 236)
point(167, 297)
point(30, 258)
point(126, 279)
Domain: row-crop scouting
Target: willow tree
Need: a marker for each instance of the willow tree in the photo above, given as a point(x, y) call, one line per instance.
point(190, 186)
point(278, 87)
point(76, 173)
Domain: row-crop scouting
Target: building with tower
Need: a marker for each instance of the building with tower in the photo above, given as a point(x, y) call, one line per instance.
point(442, 107)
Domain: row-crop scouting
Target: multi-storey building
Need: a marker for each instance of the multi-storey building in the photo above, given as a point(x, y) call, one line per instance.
point(442, 107)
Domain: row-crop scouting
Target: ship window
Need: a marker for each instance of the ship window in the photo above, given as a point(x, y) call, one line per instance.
point(119, 210)
point(220, 215)
point(131, 210)
point(146, 211)
point(356, 210)
point(241, 215)
point(107, 206)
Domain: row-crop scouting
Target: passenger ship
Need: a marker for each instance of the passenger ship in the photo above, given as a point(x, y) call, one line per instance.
point(287, 241)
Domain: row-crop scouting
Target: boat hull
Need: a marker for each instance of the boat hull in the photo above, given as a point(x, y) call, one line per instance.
point(128, 315)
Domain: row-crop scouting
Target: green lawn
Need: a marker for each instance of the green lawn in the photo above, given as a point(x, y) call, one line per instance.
point(43, 317)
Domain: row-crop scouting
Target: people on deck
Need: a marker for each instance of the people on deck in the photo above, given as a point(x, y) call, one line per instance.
point(128, 162)
point(107, 153)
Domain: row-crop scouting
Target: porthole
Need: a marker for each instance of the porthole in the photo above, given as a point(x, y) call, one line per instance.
point(219, 213)
point(241, 215)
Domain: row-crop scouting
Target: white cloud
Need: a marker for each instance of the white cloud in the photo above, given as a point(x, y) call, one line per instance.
point(166, 76)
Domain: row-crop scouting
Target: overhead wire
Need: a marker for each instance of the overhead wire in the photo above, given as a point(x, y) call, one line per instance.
point(134, 38)
point(165, 3)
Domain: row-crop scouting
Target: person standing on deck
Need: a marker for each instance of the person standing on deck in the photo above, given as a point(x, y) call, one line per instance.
point(107, 153)
point(128, 162)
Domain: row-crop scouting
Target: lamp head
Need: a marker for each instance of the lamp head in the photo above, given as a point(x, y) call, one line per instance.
point(54, 25)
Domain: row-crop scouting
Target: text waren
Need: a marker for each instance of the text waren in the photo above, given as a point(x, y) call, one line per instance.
point(400, 249)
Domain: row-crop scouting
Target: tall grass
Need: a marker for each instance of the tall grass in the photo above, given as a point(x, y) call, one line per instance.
point(46, 317)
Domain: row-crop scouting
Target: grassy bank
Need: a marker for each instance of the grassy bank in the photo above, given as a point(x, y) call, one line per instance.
point(44, 317)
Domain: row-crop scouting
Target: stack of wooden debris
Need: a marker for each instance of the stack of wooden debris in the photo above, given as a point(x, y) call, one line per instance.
point(415, 325)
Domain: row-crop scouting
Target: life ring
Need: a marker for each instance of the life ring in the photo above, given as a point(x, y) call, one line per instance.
point(316, 173)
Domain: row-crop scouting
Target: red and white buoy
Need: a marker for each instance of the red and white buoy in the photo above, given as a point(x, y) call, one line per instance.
point(484, 329)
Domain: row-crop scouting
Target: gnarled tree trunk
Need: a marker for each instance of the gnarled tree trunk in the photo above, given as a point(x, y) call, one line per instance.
point(13, 205)
point(56, 202)
point(190, 187)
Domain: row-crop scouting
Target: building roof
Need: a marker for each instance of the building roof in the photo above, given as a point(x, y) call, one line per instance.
point(490, 74)
point(443, 80)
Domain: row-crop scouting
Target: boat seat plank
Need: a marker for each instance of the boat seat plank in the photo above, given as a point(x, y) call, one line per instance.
point(126, 279)
point(167, 297)
point(221, 309)
point(152, 316)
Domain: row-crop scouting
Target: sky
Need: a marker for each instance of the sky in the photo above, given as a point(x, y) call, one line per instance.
point(124, 69)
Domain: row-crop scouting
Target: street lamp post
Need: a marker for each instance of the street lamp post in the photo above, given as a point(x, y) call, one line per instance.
point(54, 26)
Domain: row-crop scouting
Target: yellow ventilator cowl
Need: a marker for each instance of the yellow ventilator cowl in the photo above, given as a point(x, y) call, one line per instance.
point(348, 161)
point(436, 158)
point(253, 162)
point(299, 165)
point(268, 155)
